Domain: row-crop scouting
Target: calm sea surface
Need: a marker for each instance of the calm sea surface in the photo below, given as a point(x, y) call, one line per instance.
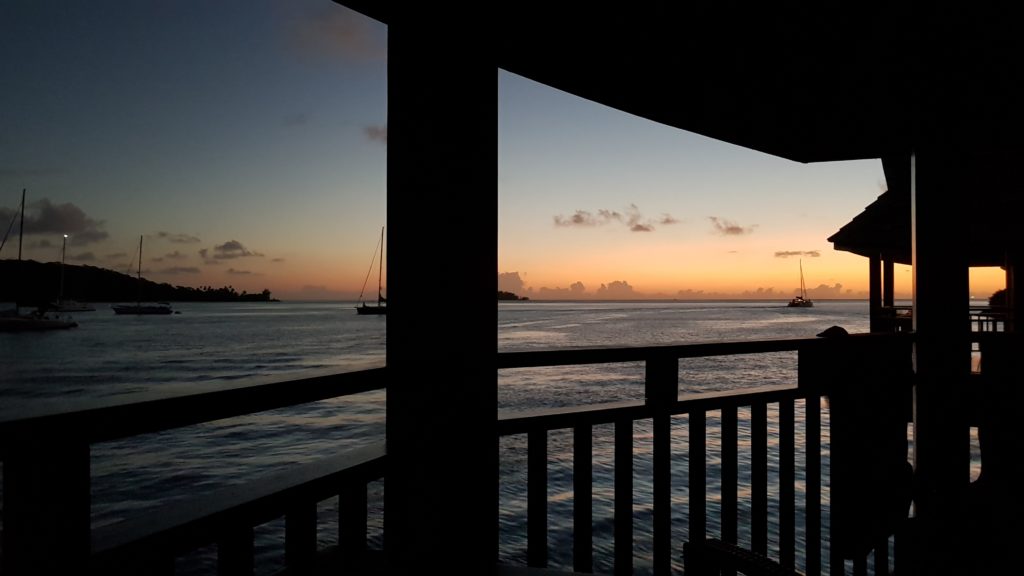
point(210, 343)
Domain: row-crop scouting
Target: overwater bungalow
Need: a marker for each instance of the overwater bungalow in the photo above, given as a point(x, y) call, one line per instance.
point(932, 93)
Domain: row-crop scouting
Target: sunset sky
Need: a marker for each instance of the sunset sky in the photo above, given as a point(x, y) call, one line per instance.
point(247, 141)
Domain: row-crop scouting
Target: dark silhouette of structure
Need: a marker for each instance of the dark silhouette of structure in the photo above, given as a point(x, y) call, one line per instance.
point(933, 93)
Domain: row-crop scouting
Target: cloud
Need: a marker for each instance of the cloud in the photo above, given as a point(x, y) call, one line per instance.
point(330, 31)
point(577, 288)
point(278, 260)
point(729, 228)
point(178, 238)
point(230, 250)
point(376, 133)
point(175, 255)
point(762, 293)
point(176, 270)
point(45, 217)
point(511, 282)
point(808, 253)
point(116, 256)
point(242, 272)
point(617, 290)
point(631, 218)
point(824, 291)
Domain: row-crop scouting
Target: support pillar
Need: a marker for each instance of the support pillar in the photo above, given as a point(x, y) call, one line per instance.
point(888, 283)
point(942, 355)
point(875, 293)
point(441, 481)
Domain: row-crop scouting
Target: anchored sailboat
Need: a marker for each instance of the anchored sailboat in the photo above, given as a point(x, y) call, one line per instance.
point(140, 308)
point(11, 319)
point(801, 301)
point(381, 307)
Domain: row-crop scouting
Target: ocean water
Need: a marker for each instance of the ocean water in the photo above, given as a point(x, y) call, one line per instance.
point(525, 326)
point(208, 343)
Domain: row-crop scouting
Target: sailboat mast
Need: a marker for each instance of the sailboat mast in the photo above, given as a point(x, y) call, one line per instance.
point(380, 267)
point(21, 226)
point(803, 288)
point(138, 286)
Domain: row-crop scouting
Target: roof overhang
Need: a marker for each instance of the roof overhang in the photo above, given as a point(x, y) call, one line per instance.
point(791, 80)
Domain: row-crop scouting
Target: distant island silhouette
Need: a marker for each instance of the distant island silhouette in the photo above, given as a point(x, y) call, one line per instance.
point(502, 295)
point(31, 283)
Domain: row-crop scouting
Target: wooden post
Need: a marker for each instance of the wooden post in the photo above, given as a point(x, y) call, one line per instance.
point(875, 293)
point(46, 508)
point(942, 354)
point(661, 392)
point(442, 476)
point(888, 283)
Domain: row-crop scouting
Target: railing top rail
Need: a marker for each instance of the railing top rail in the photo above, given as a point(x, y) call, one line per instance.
point(570, 417)
point(97, 420)
point(199, 520)
point(609, 355)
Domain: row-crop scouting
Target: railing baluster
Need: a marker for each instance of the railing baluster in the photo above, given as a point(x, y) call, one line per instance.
point(759, 477)
point(623, 497)
point(582, 499)
point(537, 499)
point(236, 553)
point(352, 522)
point(300, 537)
point(812, 485)
point(46, 507)
point(662, 528)
point(697, 498)
point(730, 473)
point(787, 483)
point(882, 558)
point(661, 393)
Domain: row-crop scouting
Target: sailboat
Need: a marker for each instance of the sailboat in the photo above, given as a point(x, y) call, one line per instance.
point(139, 308)
point(801, 301)
point(11, 319)
point(381, 306)
point(62, 305)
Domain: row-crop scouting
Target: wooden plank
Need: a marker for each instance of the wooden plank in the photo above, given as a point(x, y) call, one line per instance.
point(537, 499)
point(662, 497)
point(582, 503)
point(352, 524)
point(759, 478)
point(46, 508)
point(236, 553)
point(730, 474)
point(618, 354)
point(623, 529)
point(162, 409)
point(593, 414)
point(661, 392)
point(787, 484)
point(300, 537)
point(812, 486)
point(697, 499)
point(189, 524)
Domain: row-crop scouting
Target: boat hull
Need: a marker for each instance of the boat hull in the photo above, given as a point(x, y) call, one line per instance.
point(372, 310)
point(142, 310)
point(34, 324)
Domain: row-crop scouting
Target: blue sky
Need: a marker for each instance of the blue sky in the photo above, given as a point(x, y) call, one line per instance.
point(247, 141)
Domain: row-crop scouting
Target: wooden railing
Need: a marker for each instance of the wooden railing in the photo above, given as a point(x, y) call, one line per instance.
point(46, 473)
point(661, 403)
point(46, 513)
